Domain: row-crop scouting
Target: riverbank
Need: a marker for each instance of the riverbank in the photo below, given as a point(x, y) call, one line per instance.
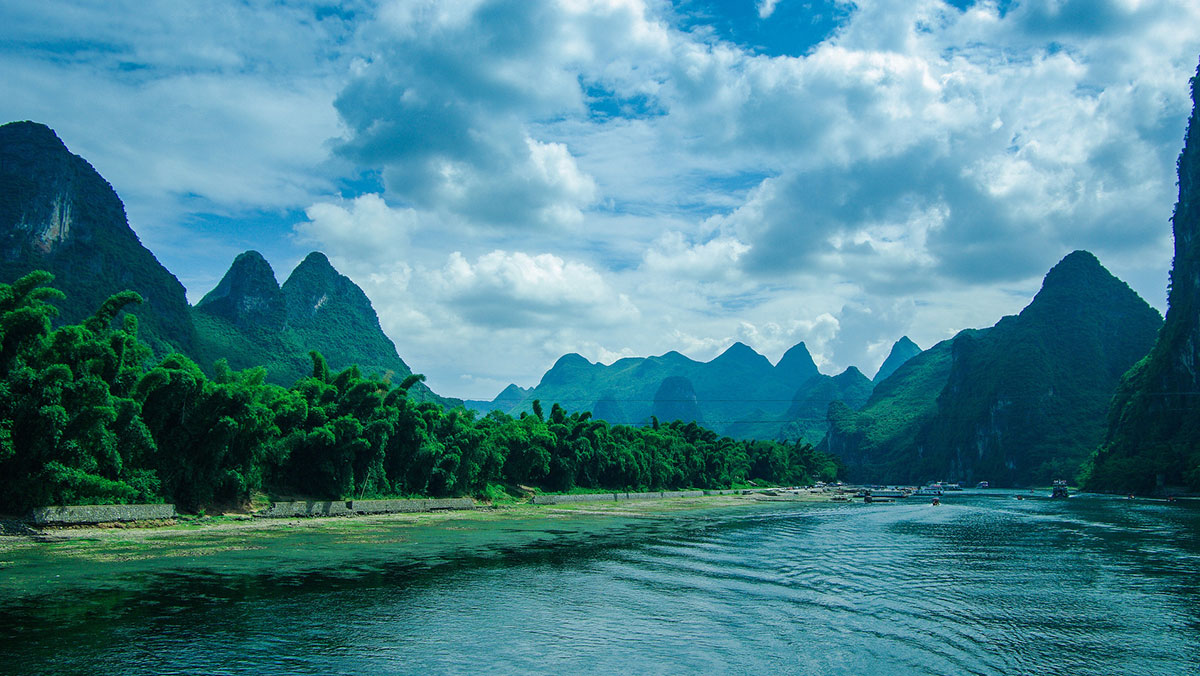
point(207, 535)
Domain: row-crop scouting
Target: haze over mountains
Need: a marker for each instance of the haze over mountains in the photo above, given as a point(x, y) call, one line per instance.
point(739, 393)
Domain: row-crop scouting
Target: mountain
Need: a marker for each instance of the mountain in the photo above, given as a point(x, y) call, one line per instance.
point(1153, 437)
point(738, 393)
point(1022, 402)
point(58, 214)
point(676, 400)
point(902, 350)
point(806, 417)
point(249, 320)
point(507, 399)
point(248, 296)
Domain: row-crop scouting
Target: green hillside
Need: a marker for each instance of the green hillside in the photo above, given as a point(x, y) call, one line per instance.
point(1022, 402)
point(58, 214)
point(1153, 435)
point(249, 320)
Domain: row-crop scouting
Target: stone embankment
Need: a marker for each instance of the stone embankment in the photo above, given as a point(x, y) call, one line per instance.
point(91, 514)
point(284, 510)
point(617, 497)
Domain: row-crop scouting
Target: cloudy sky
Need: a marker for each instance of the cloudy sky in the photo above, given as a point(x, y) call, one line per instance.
point(511, 180)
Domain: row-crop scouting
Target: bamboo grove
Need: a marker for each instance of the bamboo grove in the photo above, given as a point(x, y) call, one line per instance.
point(88, 415)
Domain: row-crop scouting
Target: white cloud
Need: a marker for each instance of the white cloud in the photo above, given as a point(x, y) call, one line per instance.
point(364, 228)
point(915, 173)
point(766, 8)
point(672, 255)
point(516, 289)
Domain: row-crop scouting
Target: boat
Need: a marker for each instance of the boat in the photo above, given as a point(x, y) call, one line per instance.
point(934, 490)
point(1060, 489)
point(983, 484)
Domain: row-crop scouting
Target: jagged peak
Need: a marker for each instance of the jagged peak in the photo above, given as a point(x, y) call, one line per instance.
point(248, 268)
point(851, 374)
point(513, 392)
point(902, 350)
point(1080, 281)
point(797, 365)
point(739, 351)
point(316, 258)
point(315, 264)
point(563, 369)
point(248, 295)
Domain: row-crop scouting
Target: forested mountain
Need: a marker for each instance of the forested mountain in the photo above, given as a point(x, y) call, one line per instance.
point(902, 350)
point(249, 320)
point(1153, 439)
point(58, 214)
point(739, 393)
point(1021, 402)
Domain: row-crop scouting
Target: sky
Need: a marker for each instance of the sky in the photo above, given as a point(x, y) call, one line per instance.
point(513, 180)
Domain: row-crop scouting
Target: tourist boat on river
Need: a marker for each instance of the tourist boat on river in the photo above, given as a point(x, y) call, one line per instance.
point(1060, 489)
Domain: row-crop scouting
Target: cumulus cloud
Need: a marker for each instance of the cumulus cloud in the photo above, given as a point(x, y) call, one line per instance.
point(713, 260)
point(618, 177)
point(448, 105)
point(516, 289)
point(364, 228)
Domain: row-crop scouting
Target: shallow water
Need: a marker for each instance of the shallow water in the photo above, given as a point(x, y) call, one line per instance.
point(984, 584)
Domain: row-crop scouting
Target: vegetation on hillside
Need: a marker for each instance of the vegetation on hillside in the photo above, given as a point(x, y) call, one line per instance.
point(1153, 439)
point(1022, 402)
point(87, 415)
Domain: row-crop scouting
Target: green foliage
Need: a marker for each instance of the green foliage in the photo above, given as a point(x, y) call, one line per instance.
point(87, 416)
point(1153, 436)
point(1020, 403)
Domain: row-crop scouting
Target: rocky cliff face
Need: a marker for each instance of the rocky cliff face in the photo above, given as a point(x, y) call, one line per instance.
point(1153, 437)
point(58, 214)
point(1018, 403)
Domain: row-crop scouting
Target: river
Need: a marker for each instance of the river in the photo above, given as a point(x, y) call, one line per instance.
point(983, 584)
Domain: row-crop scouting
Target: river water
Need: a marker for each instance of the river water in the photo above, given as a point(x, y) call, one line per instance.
point(983, 584)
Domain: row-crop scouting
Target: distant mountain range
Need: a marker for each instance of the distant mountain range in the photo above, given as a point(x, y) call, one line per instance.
point(738, 394)
point(1022, 402)
point(58, 214)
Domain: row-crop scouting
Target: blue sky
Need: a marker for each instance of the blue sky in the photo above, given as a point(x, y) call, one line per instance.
point(511, 180)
